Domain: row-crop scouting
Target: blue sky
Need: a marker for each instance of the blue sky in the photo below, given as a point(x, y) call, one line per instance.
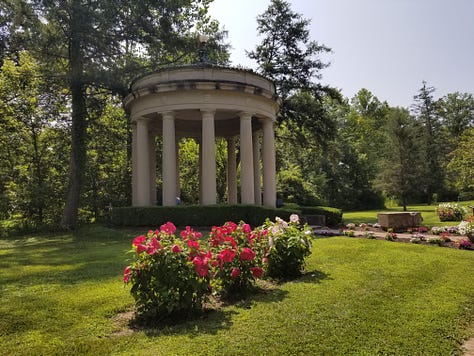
point(386, 46)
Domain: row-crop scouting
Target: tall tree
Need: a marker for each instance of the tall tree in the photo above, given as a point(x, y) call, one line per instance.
point(462, 162)
point(456, 111)
point(400, 171)
point(425, 110)
point(27, 113)
point(289, 57)
point(102, 44)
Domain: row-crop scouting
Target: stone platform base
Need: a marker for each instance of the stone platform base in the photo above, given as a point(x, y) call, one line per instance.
point(399, 221)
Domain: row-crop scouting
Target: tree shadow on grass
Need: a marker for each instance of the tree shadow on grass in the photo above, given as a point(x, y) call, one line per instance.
point(314, 276)
point(208, 321)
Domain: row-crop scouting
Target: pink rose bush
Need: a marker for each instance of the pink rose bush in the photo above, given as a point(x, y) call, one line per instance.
point(240, 253)
point(174, 275)
point(169, 275)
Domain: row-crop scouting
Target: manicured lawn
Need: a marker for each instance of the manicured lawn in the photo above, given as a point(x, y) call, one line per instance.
point(61, 294)
point(428, 213)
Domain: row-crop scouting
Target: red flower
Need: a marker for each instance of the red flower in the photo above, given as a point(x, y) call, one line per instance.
point(153, 246)
point(232, 241)
point(168, 228)
point(189, 233)
point(141, 248)
point(226, 255)
point(176, 249)
point(193, 244)
point(247, 254)
point(126, 274)
point(235, 272)
point(246, 228)
point(201, 265)
point(139, 240)
point(256, 271)
point(230, 226)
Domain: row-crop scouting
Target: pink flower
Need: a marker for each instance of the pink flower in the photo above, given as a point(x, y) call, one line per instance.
point(189, 233)
point(256, 271)
point(235, 272)
point(139, 240)
point(246, 228)
point(176, 249)
point(141, 248)
point(226, 255)
point(168, 228)
point(126, 274)
point(201, 266)
point(247, 254)
point(153, 246)
point(193, 244)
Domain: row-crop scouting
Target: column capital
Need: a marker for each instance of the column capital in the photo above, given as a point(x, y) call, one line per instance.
point(205, 113)
point(167, 115)
point(267, 120)
point(245, 115)
point(139, 119)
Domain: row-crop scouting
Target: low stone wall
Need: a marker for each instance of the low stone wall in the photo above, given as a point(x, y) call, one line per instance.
point(399, 221)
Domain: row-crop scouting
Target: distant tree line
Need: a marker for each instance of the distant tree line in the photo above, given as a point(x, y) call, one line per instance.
point(65, 139)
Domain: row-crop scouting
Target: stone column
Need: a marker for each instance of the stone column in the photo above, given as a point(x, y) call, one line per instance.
point(199, 141)
point(256, 168)
point(246, 159)
point(169, 160)
point(134, 164)
point(178, 187)
point(231, 172)
point(269, 168)
point(152, 155)
point(142, 163)
point(208, 187)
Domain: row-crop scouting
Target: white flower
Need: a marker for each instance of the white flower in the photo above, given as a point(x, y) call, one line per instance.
point(275, 229)
point(270, 242)
point(308, 232)
point(294, 218)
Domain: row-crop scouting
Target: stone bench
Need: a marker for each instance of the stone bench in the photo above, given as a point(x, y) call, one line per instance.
point(399, 220)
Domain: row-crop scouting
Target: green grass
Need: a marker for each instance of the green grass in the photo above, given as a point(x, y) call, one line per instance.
point(61, 295)
point(428, 213)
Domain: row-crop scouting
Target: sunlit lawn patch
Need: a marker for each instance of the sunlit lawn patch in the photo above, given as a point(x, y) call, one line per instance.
point(63, 294)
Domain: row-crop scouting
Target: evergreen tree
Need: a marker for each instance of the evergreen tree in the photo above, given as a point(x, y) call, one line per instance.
point(425, 111)
point(288, 56)
point(402, 165)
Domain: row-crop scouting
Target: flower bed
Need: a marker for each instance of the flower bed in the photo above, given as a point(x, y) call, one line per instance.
point(450, 212)
point(172, 276)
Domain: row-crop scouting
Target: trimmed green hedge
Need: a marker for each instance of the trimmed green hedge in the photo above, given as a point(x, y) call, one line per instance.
point(333, 215)
point(196, 215)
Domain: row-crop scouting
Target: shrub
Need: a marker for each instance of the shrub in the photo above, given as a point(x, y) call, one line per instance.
point(289, 244)
point(239, 255)
point(195, 215)
point(169, 276)
point(333, 215)
point(450, 212)
point(172, 276)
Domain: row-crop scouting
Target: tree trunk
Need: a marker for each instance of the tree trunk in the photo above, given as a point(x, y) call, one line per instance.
point(77, 161)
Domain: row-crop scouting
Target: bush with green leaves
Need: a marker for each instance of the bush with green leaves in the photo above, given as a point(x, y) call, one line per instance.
point(170, 275)
point(239, 256)
point(289, 246)
point(450, 212)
